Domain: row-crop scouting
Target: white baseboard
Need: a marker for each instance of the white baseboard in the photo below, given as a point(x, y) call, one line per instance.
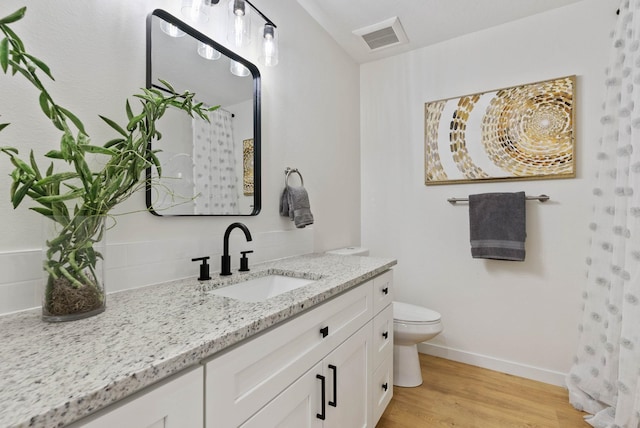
point(491, 363)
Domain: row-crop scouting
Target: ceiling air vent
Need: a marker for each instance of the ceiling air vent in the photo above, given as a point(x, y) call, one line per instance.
point(383, 34)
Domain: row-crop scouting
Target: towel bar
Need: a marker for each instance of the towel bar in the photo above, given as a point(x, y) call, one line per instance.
point(541, 198)
point(287, 173)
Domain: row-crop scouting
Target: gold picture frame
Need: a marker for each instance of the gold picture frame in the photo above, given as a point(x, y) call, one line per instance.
point(247, 167)
point(524, 132)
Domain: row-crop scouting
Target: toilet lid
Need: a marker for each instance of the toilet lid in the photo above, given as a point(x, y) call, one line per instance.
point(412, 313)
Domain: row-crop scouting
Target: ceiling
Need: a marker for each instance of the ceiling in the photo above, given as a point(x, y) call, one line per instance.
point(425, 22)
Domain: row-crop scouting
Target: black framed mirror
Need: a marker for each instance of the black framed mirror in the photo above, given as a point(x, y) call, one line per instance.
point(208, 167)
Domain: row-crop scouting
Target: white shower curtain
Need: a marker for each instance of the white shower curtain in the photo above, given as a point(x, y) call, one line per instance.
point(214, 165)
point(604, 380)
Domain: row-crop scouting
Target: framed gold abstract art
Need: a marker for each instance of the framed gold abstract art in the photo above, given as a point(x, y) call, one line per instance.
point(247, 167)
point(520, 133)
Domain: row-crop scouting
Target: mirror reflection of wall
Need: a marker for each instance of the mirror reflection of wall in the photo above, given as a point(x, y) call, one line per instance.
point(202, 161)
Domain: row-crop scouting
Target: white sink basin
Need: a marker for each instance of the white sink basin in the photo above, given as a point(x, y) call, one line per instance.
point(262, 288)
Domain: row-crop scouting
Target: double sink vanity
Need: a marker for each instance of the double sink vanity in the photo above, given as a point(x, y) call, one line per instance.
point(303, 341)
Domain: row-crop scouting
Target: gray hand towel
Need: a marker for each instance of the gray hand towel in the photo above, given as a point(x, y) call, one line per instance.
point(497, 226)
point(284, 204)
point(299, 207)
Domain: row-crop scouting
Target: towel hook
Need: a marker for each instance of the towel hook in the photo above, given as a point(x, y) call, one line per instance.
point(287, 173)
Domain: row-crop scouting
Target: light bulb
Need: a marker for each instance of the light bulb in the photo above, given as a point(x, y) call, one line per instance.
point(171, 29)
point(239, 31)
point(269, 56)
point(238, 69)
point(207, 52)
point(194, 10)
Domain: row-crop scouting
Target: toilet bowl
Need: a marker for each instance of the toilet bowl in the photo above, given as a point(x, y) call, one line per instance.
point(411, 325)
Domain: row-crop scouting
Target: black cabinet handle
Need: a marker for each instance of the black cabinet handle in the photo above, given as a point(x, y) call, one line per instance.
point(334, 403)
point(324, 331)
point(385, 386)
point(385, 334)
point(323, 413)
point(385, 290)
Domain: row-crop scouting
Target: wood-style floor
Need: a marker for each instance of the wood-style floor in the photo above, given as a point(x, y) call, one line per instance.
point(459, 395)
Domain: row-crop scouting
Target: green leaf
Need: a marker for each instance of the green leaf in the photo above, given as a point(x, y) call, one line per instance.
point(44, 211)
point(22, 166)
point(129, 111)
point(34, 165)
point(9, 150)
point(4, 54)
point(21, 193)
point(3, 125)
point(67, 144)
point(113, 142)
point(41, 65)
point(99, 150)
point(44, 104)
point(72, 118)
point(54, 154)
point(59, 198)
point(134, 121)
point(115, 126)
point(14, 39)
point(15, 16)
point(169, 87)
point(61, 176)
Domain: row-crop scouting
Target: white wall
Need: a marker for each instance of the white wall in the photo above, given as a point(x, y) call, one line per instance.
point(515, 317)
point(96, 50)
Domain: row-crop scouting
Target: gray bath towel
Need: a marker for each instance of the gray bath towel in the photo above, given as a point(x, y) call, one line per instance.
point(497, 226)
point(294, 202)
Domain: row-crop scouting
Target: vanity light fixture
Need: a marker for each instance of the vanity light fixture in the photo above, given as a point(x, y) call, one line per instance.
point(239, 29)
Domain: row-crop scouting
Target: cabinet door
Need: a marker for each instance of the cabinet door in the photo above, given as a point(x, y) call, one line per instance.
point(383, 336)
point(382, 387)
point(177, 402)
point(298, 406)
point(348, 371)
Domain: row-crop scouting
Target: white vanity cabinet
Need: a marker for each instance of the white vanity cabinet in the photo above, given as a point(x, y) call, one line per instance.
point(279, 377)
point(176, 402)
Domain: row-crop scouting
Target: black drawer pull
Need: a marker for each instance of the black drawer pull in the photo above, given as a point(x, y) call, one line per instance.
point(385, 334)
point(324, 331)
point(385, 290)
point(385, 386)
point(323, 413)
point(334, 403)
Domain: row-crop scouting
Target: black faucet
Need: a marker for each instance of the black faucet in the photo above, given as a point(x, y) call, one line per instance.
point(225, 266)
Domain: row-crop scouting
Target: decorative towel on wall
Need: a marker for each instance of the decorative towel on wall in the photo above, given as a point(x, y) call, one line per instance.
point(294, 203)
point(497, 226)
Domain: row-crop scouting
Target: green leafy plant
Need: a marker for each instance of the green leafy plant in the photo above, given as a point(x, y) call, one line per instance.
point(78, 199)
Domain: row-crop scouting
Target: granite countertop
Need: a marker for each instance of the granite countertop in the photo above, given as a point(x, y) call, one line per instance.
point(52, 374)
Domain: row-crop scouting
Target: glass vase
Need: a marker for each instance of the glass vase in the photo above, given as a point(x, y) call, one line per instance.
point(73, 267)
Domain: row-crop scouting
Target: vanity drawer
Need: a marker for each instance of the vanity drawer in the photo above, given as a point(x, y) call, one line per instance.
point(242, 380)
point(382, 388)
point(383, 336)
point(382, 291)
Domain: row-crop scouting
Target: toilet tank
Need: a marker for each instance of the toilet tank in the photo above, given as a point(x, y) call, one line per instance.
point(350, 251)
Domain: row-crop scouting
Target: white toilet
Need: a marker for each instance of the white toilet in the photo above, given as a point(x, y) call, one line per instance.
point(411, 325)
